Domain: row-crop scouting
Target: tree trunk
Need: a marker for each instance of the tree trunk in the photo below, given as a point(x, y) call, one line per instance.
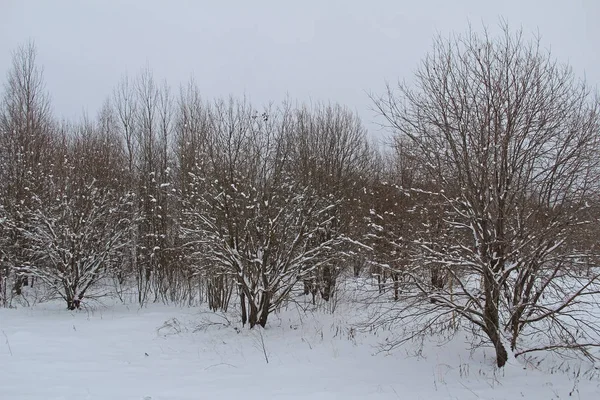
point(501, 354)
point(73, 301)
point(307, 286)
point(396, 278)
point(328, 283)
point(265, 304)
point(491, 318)
point(243, 306)
point(18, 286)
point(253, 314)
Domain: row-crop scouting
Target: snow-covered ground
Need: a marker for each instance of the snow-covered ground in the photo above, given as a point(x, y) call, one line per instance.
point(170, 353)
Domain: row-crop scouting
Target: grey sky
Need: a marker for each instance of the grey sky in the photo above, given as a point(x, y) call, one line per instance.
point(320, 50)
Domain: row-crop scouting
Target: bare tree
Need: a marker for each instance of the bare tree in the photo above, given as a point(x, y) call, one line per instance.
point(145, 121)
point(192, 130)
point(25, 134)
point(4, 262)
point(389, 225)
point(125, 105)
point(510, 138)
point(76, 230)
point(168, 268)
point(193, 122)
point(331, 154)
point(248, 218)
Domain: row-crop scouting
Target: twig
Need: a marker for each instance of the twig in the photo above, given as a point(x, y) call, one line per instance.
point(472, 392)
point(262, 343)
point(216, 365)
point(7, 343)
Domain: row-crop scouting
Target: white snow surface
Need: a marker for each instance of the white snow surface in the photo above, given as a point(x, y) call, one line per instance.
point(158, 352)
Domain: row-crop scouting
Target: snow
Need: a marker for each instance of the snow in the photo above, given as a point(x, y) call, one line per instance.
point(115, 351)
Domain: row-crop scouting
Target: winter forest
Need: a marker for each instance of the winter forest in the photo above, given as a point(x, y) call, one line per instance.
point(480, 212)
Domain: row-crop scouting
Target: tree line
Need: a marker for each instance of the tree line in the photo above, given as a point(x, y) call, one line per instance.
point(481, 212)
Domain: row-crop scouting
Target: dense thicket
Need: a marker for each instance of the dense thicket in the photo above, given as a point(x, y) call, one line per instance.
point(180, 198)
point(482, 211)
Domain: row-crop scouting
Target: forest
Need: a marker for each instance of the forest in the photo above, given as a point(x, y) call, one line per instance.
point(480, 212)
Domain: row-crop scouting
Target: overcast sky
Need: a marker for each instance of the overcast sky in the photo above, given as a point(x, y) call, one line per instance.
point(312, 50)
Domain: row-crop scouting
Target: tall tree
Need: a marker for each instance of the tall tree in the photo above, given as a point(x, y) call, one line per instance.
point(26, 126)
point(510, 138)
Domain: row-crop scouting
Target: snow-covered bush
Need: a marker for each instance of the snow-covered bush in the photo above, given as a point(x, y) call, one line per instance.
point(75, 238)
point(246, 219)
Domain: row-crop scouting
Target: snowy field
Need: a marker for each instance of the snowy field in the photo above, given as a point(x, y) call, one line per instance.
point(114, 352)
